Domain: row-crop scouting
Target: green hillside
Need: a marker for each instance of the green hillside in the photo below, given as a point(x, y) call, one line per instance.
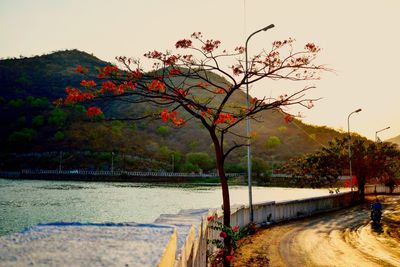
point(35, 132)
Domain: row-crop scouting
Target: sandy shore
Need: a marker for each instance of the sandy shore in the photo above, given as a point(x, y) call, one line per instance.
point(341, 238)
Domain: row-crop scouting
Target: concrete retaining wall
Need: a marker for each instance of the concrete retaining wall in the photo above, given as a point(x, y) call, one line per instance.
point(268, 212)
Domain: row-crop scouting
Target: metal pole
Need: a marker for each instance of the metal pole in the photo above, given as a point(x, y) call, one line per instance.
point(348, 131)
point(112, 162)
point(60, 165)
point(173, 162)
point(249, 179)
point(376, 133)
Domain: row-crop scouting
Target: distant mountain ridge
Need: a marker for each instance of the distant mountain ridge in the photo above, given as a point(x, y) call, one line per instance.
point(28, 81)
point(395, 140)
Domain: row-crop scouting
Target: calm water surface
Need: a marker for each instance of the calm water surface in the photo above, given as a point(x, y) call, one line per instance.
point(26, 203)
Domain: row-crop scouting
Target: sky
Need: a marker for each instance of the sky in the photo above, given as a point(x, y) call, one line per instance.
point(360, 41)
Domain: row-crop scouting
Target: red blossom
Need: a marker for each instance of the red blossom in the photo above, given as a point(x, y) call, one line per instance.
point(108, 71)
point(171, 60)
point(235, 228)
point(229, 258)
point(154, 54)
point(208, 112)
point(88, 84)
point(225, 118)
point(237, 70)
point(130, 85)
point(181, 92)
point(75, 95)
point(219, 91)
point(178, 122)
point(187, 57)
point(184, 43)
point(288, 118)
point(171, 116)
point(108, 86)
point(239, 49)
point(174, 72)
point(223, 234)
point(196, 35)
point(136, 74)
point(94, 112)
point(157, 85)
point(210, 218)
point(80, 69)
point(210, 45)
point(203, 85)
point(166, 115)
point(312, 47)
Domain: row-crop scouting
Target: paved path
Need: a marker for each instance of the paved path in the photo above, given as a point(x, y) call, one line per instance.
point(342, 238)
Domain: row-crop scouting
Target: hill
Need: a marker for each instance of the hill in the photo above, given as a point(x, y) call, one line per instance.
point(38, 134)
point(395, 140)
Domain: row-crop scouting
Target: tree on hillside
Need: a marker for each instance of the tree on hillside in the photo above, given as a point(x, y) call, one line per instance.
point(371, 162)
point(321, 168)
point(194, 85)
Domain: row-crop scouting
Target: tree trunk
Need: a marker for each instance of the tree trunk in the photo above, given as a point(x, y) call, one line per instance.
point(225, 195)
point(361, 191)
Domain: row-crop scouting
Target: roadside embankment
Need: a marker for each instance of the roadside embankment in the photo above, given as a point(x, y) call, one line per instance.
point(342, 238)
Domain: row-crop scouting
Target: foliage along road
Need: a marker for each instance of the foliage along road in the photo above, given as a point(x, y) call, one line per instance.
point(341, 238)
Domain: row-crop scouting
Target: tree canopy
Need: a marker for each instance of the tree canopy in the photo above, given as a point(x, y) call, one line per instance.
point(372, 162)
point(194, 85)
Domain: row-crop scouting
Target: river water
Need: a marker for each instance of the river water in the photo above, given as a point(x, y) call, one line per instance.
point(25, 203)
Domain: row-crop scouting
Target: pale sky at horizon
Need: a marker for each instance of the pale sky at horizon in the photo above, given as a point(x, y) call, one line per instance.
point(360, 41)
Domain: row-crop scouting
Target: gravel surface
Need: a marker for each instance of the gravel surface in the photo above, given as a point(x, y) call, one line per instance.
point(341, 238)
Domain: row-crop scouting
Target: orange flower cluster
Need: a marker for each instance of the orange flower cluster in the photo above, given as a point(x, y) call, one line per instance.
point(171, 116)
point(204, 113)
point(225, 118)
point(75, 95)
point(237, 69)
point(154, 54)
point(202, 85)
point(171, 60)
point(185, 43)
point(210, 45)
point(219, 91)
point(312, 47)
point(288, 118)
point(107, 71)
point(181, 92)
point(94, 112)
point(174, 72)
point(111, 87)
point(88, 84)
point(157, 85)
point(136, 74)
point(80, 69)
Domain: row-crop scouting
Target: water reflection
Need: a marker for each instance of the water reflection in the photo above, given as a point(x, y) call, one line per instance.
point(26, 203)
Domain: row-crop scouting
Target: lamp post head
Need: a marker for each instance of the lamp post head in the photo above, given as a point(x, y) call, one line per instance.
point(358, 110)
point(268, 27)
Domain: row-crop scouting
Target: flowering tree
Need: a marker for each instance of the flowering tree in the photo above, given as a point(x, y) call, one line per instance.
point(371, 162)
point(193, 85)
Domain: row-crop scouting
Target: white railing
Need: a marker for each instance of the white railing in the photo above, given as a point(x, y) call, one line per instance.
point(124, 173)
point(380, 189)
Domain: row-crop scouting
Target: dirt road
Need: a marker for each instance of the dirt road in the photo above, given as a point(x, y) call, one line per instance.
point(342, 238)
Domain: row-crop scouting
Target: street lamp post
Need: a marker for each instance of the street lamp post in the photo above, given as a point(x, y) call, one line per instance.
point(112, 163)
point(376, 133)
point(348, 131)
point(249, 180)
